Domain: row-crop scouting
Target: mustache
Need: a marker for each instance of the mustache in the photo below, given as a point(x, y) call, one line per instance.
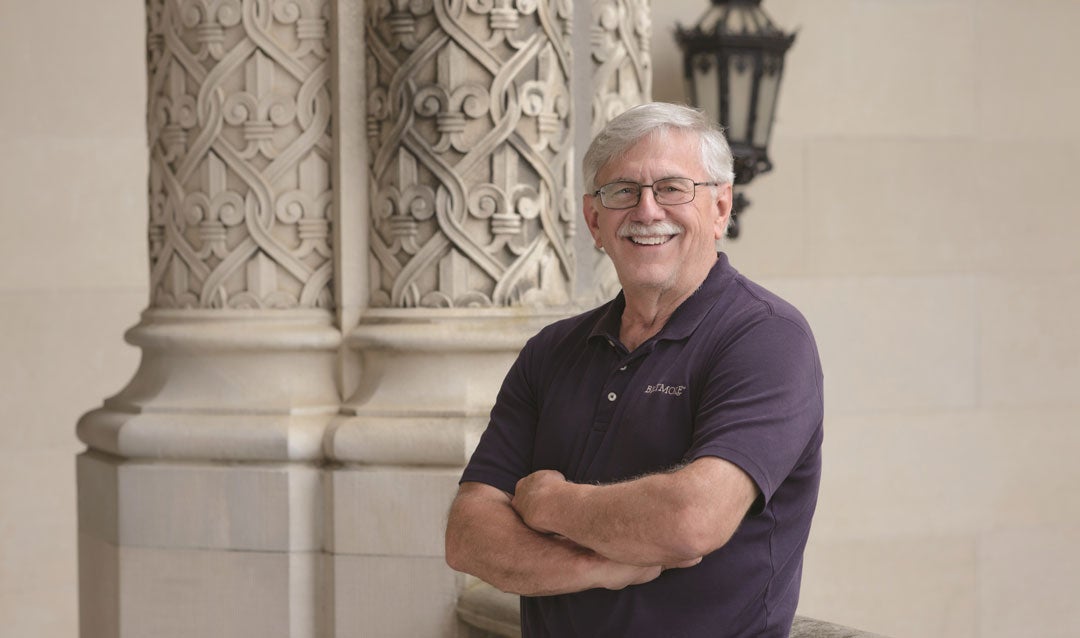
point(638, 229)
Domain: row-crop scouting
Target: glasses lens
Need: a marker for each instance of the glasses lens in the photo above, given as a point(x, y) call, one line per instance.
point(674, 190)
point(620, 194)
point(669, 191)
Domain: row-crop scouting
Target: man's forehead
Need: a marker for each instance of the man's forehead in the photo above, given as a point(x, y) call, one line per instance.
point(662, 153)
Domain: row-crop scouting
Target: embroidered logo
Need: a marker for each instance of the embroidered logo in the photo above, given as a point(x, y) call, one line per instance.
point(662, 388)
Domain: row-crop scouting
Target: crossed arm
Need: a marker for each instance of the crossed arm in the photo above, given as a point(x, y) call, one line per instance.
point(556, 537)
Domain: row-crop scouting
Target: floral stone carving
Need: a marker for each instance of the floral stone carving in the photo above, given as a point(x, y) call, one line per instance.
point(471, 147)
point(240, 153)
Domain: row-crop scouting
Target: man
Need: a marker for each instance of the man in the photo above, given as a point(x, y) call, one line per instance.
point(651, 466)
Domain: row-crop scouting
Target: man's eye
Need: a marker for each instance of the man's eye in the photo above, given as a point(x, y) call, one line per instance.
point(624, 190)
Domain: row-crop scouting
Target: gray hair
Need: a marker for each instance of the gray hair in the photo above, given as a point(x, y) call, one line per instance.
point(641, 121)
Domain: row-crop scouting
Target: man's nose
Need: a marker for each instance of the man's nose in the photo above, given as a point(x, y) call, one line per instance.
point(647, 207)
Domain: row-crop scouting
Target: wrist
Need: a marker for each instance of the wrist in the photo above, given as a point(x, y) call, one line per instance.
point(556, 507)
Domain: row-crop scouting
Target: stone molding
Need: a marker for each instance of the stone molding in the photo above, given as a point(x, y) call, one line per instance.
point(238, 385)
point(428, 380)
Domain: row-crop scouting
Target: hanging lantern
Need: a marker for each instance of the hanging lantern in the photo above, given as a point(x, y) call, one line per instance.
point(733, 60)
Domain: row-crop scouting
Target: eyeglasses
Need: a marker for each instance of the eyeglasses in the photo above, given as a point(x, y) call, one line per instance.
point(668, 192)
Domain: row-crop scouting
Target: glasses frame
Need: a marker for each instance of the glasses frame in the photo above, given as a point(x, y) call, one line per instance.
point(641, 189)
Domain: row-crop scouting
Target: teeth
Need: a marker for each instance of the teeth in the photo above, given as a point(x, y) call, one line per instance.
point(650, 241)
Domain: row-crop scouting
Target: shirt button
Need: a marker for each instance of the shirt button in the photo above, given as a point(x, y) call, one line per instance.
point(611, 396)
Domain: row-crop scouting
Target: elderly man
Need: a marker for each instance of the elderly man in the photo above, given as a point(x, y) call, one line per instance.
point(651, 467)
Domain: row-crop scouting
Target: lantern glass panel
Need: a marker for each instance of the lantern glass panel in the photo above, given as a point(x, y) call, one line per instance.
point(706, 85)
point(768, 88)
point(740, 89)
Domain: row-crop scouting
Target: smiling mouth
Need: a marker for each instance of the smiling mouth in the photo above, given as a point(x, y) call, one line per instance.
point(650, 240)
point(655, 234)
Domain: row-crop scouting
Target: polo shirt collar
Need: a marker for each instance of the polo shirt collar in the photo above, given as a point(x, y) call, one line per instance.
point(686, 317)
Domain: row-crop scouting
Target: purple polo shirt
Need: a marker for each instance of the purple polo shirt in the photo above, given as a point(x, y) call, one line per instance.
point(734, 374)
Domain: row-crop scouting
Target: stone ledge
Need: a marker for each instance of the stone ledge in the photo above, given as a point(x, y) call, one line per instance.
point(490, 613)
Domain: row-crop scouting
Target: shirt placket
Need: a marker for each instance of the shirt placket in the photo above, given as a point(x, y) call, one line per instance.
point(613, 394)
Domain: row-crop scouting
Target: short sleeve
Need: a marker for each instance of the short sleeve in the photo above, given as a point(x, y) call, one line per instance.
point(761, 404)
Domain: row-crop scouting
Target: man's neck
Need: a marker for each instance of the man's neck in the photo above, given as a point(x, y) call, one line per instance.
point(646, 313)
point(647, 309)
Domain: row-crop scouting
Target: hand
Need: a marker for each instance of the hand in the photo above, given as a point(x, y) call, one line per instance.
point(684, 564)
point(620, 575)
point(530, 497)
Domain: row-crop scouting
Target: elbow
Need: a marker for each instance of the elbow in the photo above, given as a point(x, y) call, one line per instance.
point(454, 552)
point(457, 561)
point(695, 536)
point(453, 561)
point(455, 546)
point(686, 548)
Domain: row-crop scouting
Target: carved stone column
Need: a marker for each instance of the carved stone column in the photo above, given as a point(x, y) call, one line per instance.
point(385, 221)
point(199, 494)
point(472, 215)
point(620, 74)
point(472, 130)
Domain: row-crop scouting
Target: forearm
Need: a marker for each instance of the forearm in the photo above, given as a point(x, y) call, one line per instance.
point(486, 538)
point(661, 519)
point(641, 522)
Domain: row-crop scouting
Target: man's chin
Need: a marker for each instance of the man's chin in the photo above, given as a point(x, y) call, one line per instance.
point(646, 278)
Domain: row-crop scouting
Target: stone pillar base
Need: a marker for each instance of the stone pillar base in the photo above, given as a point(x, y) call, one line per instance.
point(389, 575)
point(199, 549)
point(201, 495)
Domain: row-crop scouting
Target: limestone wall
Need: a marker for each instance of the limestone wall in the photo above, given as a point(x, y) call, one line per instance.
point(920, 213)
point(73, 275)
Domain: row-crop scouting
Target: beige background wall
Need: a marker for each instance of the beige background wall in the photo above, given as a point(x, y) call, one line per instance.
point(921, 214)
point(73, 274)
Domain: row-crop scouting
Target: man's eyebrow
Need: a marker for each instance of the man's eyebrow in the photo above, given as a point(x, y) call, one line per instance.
point(634, 181)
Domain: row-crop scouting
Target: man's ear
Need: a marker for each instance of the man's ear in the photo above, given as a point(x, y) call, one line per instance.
point(592, 218)
point(724, 195)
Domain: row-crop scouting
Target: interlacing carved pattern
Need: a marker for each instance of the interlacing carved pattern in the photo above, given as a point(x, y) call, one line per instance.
point(620, 34)
point(622, 65)
point(239, 128)
point(471, 176)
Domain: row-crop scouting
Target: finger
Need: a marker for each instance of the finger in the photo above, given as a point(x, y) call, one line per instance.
point(684, 564)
